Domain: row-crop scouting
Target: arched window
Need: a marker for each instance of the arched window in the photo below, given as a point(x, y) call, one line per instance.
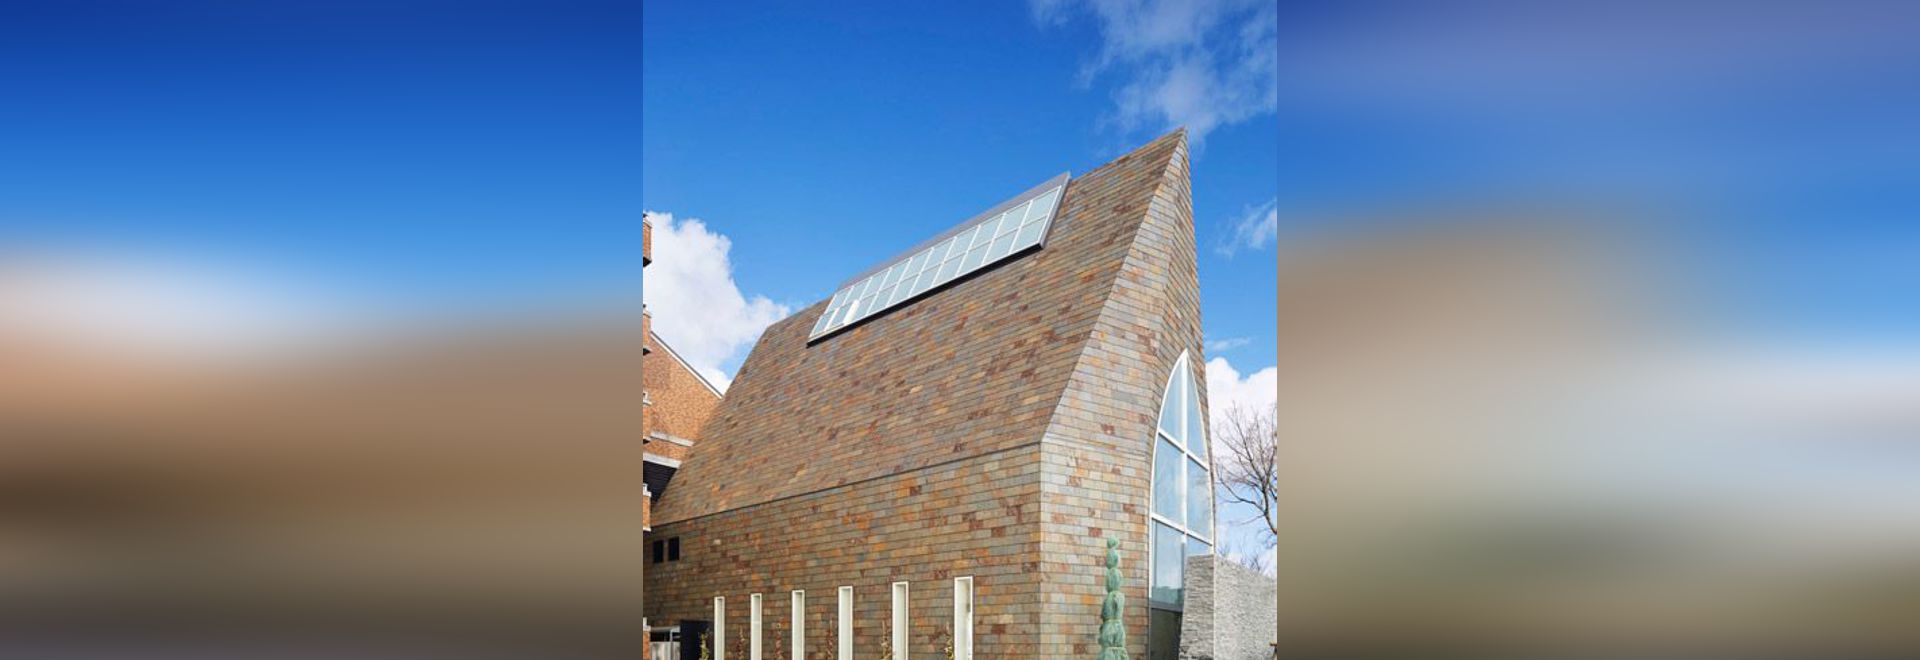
point(1181, 520)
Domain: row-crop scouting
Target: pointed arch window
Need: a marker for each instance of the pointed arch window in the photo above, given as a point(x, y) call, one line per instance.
point(1182, 513)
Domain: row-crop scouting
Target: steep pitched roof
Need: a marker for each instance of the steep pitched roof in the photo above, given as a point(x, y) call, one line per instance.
point(973, 369)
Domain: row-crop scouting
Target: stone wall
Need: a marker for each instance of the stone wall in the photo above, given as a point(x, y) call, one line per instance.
point(1229, 612)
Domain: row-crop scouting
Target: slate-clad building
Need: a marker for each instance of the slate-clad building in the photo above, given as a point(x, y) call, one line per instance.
point(956, 434)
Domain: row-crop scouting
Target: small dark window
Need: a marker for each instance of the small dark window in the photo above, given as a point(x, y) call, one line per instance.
point(673, 549)
point(659, 551)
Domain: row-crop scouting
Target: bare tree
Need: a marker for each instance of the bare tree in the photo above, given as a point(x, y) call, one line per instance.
point(1255, 559)
point(1249, 469)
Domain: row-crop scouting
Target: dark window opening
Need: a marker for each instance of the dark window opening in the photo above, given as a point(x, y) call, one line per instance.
point(659, 551)
point(673, 549)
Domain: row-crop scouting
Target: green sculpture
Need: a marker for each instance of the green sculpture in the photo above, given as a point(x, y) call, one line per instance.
point(1113, 632)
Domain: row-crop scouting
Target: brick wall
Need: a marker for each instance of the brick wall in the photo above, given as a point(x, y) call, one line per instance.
point(682, 403)
point(926, 527)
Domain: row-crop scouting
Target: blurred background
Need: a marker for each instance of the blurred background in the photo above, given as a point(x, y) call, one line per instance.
point(320, 329)
point(1598, 327)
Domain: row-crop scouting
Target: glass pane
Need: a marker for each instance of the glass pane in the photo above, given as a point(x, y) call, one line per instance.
point(901, 291)
point(945, 250)
point(1199, 500)
point(1030, 234)
point(1196, 424)
point(1012, 220)
point(821, 323)
point(1163, 636)
point(1002, 246)
point(926, 280)
point(1167, 474)
point(975, 257)
point(1198, 548)
point(1170, 404)
point(1043, 205)
point(949, 270)
point(1169, 558)
point(919, 262)
point(983, 234)
point(886, 295)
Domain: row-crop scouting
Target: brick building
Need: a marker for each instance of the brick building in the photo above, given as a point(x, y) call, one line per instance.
point(936, 454)
point(676, 402)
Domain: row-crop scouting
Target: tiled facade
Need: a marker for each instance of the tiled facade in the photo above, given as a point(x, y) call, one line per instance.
point(1000, 428)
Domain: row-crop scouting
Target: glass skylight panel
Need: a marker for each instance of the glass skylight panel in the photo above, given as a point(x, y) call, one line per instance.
point(1010, 228)
point(1002, 246)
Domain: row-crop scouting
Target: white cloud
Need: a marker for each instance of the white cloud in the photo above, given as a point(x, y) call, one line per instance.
point(1228, 344)
point(1201, 64)
point(1227, 389)
point(1255, 229)
point(697, 308)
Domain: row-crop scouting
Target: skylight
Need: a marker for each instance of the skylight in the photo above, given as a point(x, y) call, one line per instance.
point(1009, 228)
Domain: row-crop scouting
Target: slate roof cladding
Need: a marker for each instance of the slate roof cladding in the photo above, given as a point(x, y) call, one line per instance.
point(973, 369)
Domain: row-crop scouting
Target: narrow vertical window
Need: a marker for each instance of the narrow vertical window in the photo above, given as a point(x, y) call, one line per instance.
point(1180, 520)
point(963, 618)
point(799, 611)
point(719, 628)
point(898, 631)
point(753, 636)
point(846, 623)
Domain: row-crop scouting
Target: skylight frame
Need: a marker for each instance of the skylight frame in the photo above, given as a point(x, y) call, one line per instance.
point(1007, 230)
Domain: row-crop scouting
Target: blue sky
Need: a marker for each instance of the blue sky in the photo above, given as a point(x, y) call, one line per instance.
point(425, 154)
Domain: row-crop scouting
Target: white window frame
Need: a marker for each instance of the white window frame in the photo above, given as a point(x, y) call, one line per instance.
point(753, 638)
point(1181, 366)
point(846, 623)
point(719, 628)
point(1187, 454)
point(898, 627)
point(799, 613)
point(963, 618)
